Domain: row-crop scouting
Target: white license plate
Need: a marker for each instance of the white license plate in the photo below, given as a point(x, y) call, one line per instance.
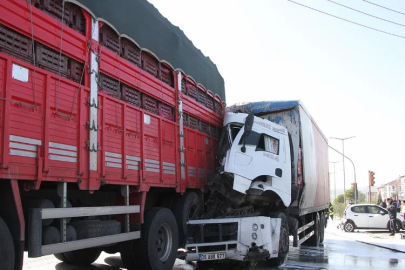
point(212, 256)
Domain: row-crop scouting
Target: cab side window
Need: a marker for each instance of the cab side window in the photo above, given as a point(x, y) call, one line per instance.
point(359, 209)
point(268, 144)
point(374, 210)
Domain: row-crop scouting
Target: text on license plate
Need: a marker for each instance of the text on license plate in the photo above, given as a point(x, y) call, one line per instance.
point(212, 256)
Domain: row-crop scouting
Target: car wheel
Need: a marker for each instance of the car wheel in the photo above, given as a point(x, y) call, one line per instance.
point(348, 226)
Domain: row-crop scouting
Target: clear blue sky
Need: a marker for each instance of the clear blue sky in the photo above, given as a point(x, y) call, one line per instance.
point(351, 79)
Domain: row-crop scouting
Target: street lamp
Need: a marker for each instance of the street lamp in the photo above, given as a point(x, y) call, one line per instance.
point(334, 170)
point(344, 175)
point(354, 169)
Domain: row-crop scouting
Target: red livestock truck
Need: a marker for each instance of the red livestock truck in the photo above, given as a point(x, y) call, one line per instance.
point(104, 147)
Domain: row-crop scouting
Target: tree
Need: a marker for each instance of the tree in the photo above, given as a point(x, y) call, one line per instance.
point(361, 197)
point(339, 199)
point(393, 194)
point(379, 200)
point(349, 194)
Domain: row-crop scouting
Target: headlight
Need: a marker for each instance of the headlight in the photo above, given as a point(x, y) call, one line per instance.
point(254, 236)
point(255, 227)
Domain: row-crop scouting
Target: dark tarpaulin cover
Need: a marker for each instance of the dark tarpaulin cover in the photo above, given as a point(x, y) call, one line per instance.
point(143, 22)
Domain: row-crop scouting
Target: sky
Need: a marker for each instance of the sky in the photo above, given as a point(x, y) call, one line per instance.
point(350, 78)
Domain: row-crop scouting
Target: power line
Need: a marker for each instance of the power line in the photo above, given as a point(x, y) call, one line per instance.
point(365, 26)
point(384, 7)
point(365, 13)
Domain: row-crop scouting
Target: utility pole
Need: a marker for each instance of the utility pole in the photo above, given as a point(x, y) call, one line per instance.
point(344, 175)
point(334, 176)
point(371, 183)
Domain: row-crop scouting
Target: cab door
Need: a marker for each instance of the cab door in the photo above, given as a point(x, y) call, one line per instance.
point(360, 216)
point(376, 219)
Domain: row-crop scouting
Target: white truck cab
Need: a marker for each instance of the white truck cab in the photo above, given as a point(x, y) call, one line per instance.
point(265, 165)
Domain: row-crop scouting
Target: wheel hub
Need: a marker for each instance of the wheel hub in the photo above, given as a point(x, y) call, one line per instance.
point(163, 241)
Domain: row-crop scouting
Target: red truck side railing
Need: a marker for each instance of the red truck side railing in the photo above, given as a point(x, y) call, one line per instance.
point(44, 108)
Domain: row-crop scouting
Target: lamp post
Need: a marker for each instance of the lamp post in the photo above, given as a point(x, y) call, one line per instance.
point(334, 177)
point(354, 169)
point(344, 175)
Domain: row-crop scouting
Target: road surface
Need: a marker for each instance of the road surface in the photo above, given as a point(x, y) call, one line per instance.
point(337, 252)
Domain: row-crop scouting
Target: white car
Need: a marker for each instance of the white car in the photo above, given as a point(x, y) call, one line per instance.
point(369, 216)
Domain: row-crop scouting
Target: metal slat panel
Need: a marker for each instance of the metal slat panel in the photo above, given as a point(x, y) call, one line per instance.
point(23, 146)
point(24, 140)
point(113, 154)
point(87, 243)
point(62, 146)
point(114, 165)
point(133, 158)
point(23, 153)
point(152, 165)
point(117, 160)
point(152, 161)
point(62, 152)
point(129, 167)
point(88, 211)
point(61, 158)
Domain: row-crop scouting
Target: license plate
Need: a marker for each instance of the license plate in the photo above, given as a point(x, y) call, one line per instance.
point(212, 256)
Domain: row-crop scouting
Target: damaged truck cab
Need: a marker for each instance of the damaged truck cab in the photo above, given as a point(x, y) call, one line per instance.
point(272, 182)
point(263, 168)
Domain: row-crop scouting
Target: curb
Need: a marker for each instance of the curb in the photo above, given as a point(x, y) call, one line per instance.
point(392, 249)
point(372, 244)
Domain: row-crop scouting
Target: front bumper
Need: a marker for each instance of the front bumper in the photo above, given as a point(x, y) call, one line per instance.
point(233, 238)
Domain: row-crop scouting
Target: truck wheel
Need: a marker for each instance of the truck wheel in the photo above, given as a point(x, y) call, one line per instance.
point(188, 207)
point(61, 257)
point(157, 248)
point(284, 242)
point(126, 254)
point(322, 228)
point(315, 238)
point(170, 200)
point(349, 226)
point(7, 253)
point(82, 257)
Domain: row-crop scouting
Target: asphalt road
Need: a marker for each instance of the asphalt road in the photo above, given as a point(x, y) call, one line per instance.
point(337, 252)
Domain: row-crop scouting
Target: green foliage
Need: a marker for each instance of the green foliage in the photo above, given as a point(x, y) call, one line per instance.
point(379, 200)
point(339, 208)
point(349, 194)
point(361, 197)
point(339, 199)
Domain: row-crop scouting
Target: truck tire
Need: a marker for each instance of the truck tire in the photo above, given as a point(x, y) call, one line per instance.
point(322, 227)
point(170, 200)
point(157, 249)
point(315, 238)
point(96, 228)
point(189, 206)
point(7, 253)
point(82, 257)
point(50, 235)
point(44, 203)
point(61, 257)
point(126, 251)
point(284, 242)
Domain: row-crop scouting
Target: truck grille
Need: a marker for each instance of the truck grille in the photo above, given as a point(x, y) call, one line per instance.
point(217, 232)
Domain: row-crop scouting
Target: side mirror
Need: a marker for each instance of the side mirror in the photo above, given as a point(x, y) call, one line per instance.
point(248, 128)
point(382, 213)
